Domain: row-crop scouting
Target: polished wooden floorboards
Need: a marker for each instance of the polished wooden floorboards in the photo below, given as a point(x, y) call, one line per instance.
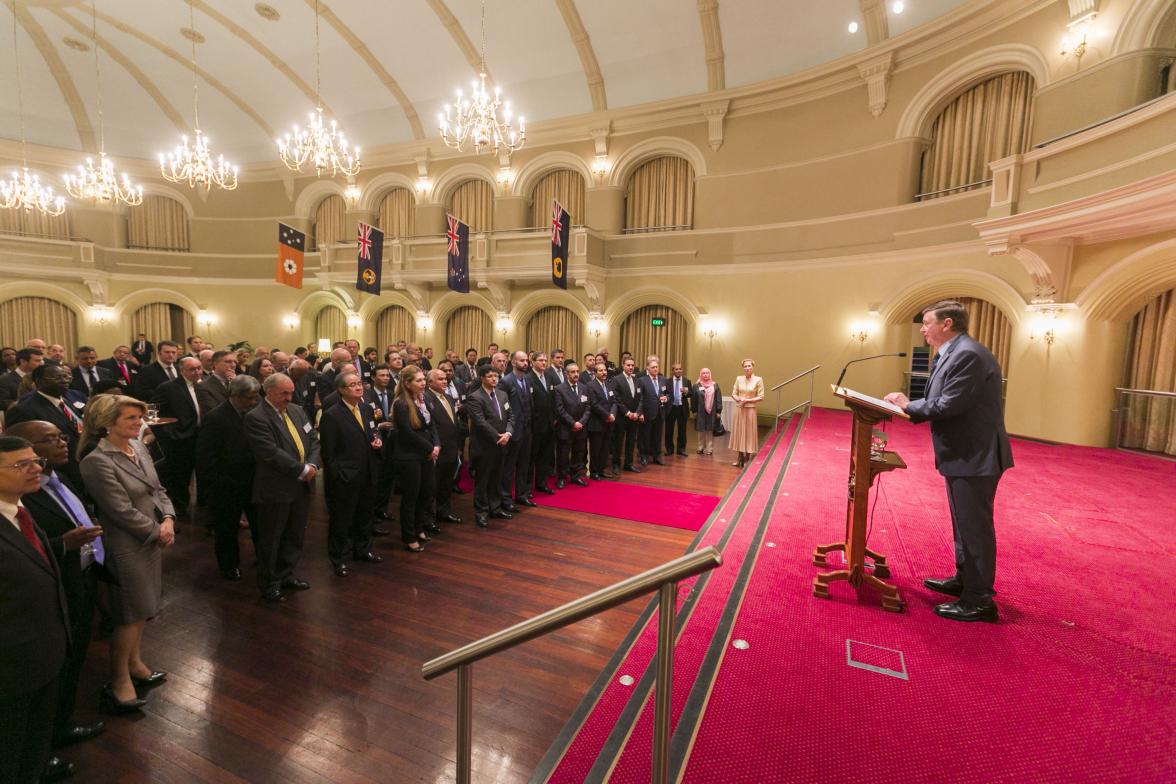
point(327, 685)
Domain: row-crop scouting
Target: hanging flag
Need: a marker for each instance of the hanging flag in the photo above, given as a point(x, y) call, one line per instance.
point(459, 255)
point(371, 254)
point(291, 243)
point(559, 244)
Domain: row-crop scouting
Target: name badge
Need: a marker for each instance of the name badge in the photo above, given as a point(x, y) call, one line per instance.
point(506, 406)
point(311, 384)
point(583, 398)
point(79, 404)
point(306, 428)
point(371, 425)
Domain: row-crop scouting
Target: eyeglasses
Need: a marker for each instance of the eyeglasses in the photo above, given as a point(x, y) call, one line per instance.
point(27, 465)
point(56, 437)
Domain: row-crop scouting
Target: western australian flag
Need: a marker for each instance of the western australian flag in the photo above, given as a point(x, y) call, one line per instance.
point(371, 253)
point(459, 255)
point(559, 244)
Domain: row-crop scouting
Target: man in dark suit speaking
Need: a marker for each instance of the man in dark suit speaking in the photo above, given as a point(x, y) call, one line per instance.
point(963, 404)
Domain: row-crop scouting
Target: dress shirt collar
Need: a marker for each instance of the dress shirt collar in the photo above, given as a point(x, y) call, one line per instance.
point(9, 511)
point(56, 401)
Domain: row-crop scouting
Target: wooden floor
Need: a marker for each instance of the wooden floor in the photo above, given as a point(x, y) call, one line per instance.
point(327, 686)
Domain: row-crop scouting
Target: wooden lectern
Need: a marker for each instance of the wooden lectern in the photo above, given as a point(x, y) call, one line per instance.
point(867, 412)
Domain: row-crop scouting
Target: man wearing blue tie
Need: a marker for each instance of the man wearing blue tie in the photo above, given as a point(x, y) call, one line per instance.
point(380, 396)
point(677, 411)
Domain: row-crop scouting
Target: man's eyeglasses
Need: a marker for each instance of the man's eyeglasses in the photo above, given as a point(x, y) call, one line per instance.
point(27, 465)
point(55, 438)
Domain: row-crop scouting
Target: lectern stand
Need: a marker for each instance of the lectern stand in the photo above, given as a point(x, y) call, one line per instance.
point(867, 412)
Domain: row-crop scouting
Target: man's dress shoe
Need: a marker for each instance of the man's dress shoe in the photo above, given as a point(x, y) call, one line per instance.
point(294, 584)
point(273, 595)
point(57, 769)
point(965, 611)
point(658, 461)
point(561, 484)
point(480, 519)
point(681, 453)
point(579, 480)
point(526, 502)
point(948, 585)
point(432, 528)
point(502, 514)
point(341, 569)
point(545, 489)
point(449, 518)
point(510, 509)
point(370, 558)
point(233, 574)
point(379, 530)
point(633, 469)
point(78, 733)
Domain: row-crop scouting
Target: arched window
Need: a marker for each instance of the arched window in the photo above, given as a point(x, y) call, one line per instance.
point(163, 321)
point(25, 318)
point(394, 323)
point(33, 223)
point(982, 124)
point(659, 195)
point(397, 213)
point(567, 185)
point(1150, 422)
point(473, 203)
point(642, 334)
point(331, 323)
point(330, 222)
point(159, 223)
point(555, 327)
point(468, 327)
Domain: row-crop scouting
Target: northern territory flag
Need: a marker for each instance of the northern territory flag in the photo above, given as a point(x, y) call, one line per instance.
point(291, 244)
point(459, 255)
point(559, 244)
point(371, 254)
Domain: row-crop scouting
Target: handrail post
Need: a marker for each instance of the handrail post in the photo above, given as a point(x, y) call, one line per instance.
point(666, 608)
point(812, 380)
point(465, 721)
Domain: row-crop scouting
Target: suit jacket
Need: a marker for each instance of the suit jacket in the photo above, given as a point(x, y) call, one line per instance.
point(571, 406)
point(55, 521)
point(553, 376)
point(520, 401)
point(275, 479)
point(963, 403)
point(626, 403)
point(464, 373)
point(210, 393)
point(543, 412)
point(486, 426)
point(144, 355)
point(35, 407)
point(33, 605)
point(651, 406)
point(174, 400)
point(305, 390)
point(348, 456)
point(79, 383)
point(151, 377)
point(448, 430)
point(602, 403)
point(9, 387)
point(111, 364)
point(413, 443)
point(223, 459)
point(685, 393)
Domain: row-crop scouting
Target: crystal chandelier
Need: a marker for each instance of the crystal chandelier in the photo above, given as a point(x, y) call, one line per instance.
point(24, 191)
point(476, 119)
point(101, 183)
point(194, 164)
point(324, 147)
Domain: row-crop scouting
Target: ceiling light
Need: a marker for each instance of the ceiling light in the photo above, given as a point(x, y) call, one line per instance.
point(267, 12)
point(853, 27)
point(75, 44)
point(898, 6)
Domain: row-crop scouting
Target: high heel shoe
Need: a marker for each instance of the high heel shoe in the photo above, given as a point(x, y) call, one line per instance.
point(111, 704)
point(415, 547)
point(151, 681)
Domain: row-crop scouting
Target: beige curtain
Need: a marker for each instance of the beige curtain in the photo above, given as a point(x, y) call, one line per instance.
point(394, 323)
point(986, 123)
point(330, 222)
point(35, 224)
point(660, 193)
point(555, 327)
point(468, 327)
point(1150, 422)
point(397, 213)
point(25, 318)
point(331, 322)
point(564, 184)
point(988, 325)
point(159, 223)
point(473, 203)
point(163, 321)
point(639, 336)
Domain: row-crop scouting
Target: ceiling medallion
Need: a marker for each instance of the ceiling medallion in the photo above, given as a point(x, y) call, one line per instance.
point(267, 12)
point(75, 44)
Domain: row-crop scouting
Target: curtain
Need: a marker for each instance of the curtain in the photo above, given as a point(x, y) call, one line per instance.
point(564, 184)
point(394, 323)
point(331, 322)
point(660, 193)
point(641, 338)
point(555, 327)
point(468, 327)
point(397, 216)
point(473, 203)
point(163, 321)
point(35, 223)
point(990, 121)
point(1150, 422)
point(159, 223)
point(990, 328)
point(25, 318)
point(330, 222)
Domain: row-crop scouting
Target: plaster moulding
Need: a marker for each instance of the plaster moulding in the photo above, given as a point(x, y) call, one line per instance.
point(876, 74)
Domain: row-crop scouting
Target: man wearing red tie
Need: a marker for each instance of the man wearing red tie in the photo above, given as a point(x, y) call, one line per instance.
point(121, 368)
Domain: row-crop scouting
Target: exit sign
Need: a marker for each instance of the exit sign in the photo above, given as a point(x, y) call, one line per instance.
point(657, 321)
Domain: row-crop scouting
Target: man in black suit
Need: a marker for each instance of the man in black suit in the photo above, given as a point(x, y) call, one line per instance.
point(600, 399)
point(492, 424)
point(963, 404)
point(225, 469)
point(467, 372)
point(491, 350)
point(121, 368)
point(611, 367)
point(442, 412)
point(362, 366)
point(555, 368)
point(86, 372)
point(51, 403)
point(156, 373)
point(306, 383)
point(35, 642)
point(543, 416)
point(27, 360)
point(677, 410)
point(572, 414)
point(58, 509)
point(286, 451)
point(351, 447)
point(654, 396)
point(627, 397)
point(142, 350)
point(177, 399)
point(379, 397)
point(214, 389)
point(516, 468)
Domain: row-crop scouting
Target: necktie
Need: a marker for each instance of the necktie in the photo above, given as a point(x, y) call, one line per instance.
point(358, 417)
point(171, 372)
point(26, 530)
point(195, 401)
point(122, 368)
point(294, 435)
point(71, 416)
point(384, 404)
point(542, 381)
point(90, 379)
point(497, 405)
point(603, 389)
point(73, 506)
point(632, 390)
point(445, 402)
point(677, 392)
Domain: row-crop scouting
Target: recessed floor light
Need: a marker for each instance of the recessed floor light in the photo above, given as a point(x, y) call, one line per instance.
point(267, 12)
point(75, 44)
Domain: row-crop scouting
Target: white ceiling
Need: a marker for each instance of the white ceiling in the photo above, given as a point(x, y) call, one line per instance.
point(647, 50)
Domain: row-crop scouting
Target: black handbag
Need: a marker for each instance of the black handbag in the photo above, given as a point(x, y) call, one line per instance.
point(719, 429)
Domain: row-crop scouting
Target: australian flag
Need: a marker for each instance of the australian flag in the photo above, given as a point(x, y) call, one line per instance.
point(559, 244)
point(371, 253)
point(459, 255)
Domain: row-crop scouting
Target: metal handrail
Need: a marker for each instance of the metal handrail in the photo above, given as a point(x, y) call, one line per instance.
point(954, 188)
point(663, 579)
point(1118, 413)
point(1146, 392)
point(811, 374)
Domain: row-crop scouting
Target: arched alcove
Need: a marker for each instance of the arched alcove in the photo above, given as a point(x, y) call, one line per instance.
point(330, 323)
point(468, 326)
point(163, 321)
point(565, 185)
point(159, 223)
point(330, 222)
point(642, 334)
point(472, 202)
point(394, 323)
point(1149, 422)
point(553, 327)
point(659, 195)
point(28, 317)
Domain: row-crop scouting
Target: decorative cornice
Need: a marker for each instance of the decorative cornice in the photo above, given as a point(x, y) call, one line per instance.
point(876, 74)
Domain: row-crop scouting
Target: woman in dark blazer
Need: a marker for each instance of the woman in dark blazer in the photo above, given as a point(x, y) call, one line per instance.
point(138, 521)
point(706, 400)
point(417, 448)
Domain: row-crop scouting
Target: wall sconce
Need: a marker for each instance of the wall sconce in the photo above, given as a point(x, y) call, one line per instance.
point(290, 320)
point(354, 321)
point(860, 331)
point(503, 324)
point(504, 176)
point(424, 322)
point(101, 314)
point(205, 319)
point(596, 325)
point(423, 185)
point(352, 194)
point(600, 166)
point(712, 328)
point(1075, 42)
point(1044, 326)
point(324, 345)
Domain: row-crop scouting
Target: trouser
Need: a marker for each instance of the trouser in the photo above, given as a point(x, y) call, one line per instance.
point(349, 521)
point(706, 440)
point(26, 733)
point(445, 472)
point(624, 440)
point(971, 501)
point(179, 464)
point(516, 468)
point(598, 451)
point(570, 453)
point(651, 437)
point(487, 479)
point(227, 504)
point(81, 624)
point(387, 480)
point(281, 530)
point(542, 452)
point(416, 493)
point(676, 417)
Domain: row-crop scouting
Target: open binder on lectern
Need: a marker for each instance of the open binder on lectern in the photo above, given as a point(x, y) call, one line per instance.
point(877, 404)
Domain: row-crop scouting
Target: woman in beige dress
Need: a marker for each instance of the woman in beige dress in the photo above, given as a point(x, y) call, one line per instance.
point(138, 521)
point(747, 392)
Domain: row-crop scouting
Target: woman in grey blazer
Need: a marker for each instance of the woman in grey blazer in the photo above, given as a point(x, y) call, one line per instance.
point(138, 521)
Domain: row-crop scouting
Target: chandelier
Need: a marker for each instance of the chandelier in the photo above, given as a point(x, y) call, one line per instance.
point(476, 119)
point(24, 191)
point(324, 147)
point(194, 164)
point(101, 183)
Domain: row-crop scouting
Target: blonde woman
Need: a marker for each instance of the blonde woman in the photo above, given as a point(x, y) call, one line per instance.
point(747, 392)
point(708, 409)
point(138, 521)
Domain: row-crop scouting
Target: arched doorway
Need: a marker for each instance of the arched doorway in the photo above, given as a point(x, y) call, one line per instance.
point(1150, 422)
point(555, 327)
point(25, 318)
point(330, 323)
point(392, 324)
point(163, 321)
point(655, 329)
point(987, 324)
point(468, 327)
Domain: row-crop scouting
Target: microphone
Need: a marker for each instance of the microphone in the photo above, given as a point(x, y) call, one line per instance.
point(863, 359)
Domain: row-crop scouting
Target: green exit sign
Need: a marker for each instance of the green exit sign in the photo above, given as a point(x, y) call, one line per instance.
point(657, 321)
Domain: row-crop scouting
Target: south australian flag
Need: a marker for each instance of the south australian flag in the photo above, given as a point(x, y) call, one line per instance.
point(459, 255)
point(291, 244)
point(371, 253)
point(559, 244)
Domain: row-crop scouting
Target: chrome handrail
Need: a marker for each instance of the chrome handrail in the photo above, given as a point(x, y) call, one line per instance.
point(954, 188)
point(663, 579)
point(781, 414)
point(1146, 392)
point(1118, 413)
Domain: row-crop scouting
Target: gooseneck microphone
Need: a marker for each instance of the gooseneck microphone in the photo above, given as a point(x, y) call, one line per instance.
point(863, 359)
